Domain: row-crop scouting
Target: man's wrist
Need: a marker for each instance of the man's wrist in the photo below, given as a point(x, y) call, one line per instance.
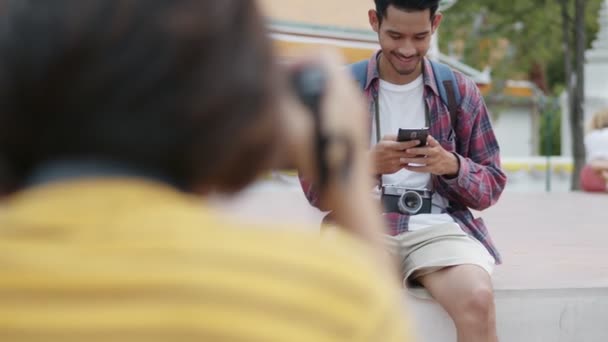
point(455, 168)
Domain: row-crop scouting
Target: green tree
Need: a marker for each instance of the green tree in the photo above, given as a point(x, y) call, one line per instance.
point(532, 28)
point(546, 41)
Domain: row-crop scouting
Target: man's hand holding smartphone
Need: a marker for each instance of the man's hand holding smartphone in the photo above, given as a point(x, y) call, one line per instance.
point(388, 154)
point(414, 150)
point(431, 158)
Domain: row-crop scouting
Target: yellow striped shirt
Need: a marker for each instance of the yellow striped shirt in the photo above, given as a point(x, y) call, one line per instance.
point(131, 260)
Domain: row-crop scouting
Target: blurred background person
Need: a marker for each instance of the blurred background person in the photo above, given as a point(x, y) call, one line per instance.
point(594, 176)
point(115, 117)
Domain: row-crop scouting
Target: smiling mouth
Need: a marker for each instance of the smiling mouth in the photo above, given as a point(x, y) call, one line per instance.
point(405, 59)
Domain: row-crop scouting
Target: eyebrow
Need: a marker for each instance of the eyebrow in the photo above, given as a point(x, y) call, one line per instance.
point(415, 34)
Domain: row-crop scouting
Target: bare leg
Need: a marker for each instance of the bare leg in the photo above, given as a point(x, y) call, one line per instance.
point(466, 293)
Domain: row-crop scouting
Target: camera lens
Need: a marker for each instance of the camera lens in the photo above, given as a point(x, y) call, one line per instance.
point(309, 83)
point(410, 203)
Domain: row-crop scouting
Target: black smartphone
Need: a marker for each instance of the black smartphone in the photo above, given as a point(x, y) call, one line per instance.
point(413, 134)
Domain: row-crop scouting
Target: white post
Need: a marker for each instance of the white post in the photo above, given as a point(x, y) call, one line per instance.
point(596, 73)
point(596, 68)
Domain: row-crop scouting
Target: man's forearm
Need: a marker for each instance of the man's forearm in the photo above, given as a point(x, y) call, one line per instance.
point(476, 186)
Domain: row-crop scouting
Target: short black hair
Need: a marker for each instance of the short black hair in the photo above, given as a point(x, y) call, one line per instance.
point(183, 88)
point(406, 5)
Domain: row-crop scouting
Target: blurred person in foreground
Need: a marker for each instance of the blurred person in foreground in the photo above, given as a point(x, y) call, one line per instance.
point(115, 117)
point(442, 247)
point(594, 176)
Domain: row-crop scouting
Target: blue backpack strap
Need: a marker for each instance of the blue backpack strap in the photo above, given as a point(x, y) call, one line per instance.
point(359, 72)
point(448, 89)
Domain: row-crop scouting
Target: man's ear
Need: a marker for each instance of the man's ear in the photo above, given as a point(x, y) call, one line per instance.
point(437, 21)
point(374, 22)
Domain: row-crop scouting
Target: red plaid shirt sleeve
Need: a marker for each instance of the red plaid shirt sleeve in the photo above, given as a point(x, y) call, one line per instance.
point(480, 181)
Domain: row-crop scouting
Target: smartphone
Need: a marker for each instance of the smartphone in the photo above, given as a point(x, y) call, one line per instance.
point(413, 134)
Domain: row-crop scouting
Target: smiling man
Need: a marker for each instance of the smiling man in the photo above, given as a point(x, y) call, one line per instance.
point(443, 249)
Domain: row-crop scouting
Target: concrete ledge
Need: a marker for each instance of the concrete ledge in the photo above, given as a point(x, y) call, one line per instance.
point(568, 315)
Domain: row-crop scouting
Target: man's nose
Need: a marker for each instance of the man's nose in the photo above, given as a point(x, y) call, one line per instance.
point(407, 49)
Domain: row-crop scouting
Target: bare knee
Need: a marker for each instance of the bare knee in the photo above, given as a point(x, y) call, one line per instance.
point(477, 307)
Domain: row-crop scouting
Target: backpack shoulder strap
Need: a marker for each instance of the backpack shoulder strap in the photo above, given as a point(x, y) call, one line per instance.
point(359, 72)
point(448, 89)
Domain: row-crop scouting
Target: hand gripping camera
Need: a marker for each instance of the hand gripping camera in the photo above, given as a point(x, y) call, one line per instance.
point(397, 199)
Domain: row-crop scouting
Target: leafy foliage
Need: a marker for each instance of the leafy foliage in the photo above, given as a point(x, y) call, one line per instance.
point(518, 39)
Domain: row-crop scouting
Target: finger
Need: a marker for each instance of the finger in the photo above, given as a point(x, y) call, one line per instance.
point(407, 155)
point(419, 151)
point(389, 137)
point(432, 148)
point(395, 160)
point(432, 142)
point(404, 145)
point(396, 146)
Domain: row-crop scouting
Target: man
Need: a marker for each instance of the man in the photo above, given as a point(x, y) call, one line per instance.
point(445, 249)
point(113, 116)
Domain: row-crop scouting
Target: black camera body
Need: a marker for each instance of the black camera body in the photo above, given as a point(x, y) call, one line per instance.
point(402, 200)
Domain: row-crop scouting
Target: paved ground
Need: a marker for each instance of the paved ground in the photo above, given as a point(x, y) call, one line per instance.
point(557, 240)
point(548, 241)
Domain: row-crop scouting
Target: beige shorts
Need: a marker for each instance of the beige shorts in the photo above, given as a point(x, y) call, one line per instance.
point(428, 250)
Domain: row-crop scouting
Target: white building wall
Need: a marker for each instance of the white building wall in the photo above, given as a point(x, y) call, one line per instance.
point(513, 129)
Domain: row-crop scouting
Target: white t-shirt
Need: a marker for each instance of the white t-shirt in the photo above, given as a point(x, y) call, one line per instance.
point(596, 143)
point(402, 106)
